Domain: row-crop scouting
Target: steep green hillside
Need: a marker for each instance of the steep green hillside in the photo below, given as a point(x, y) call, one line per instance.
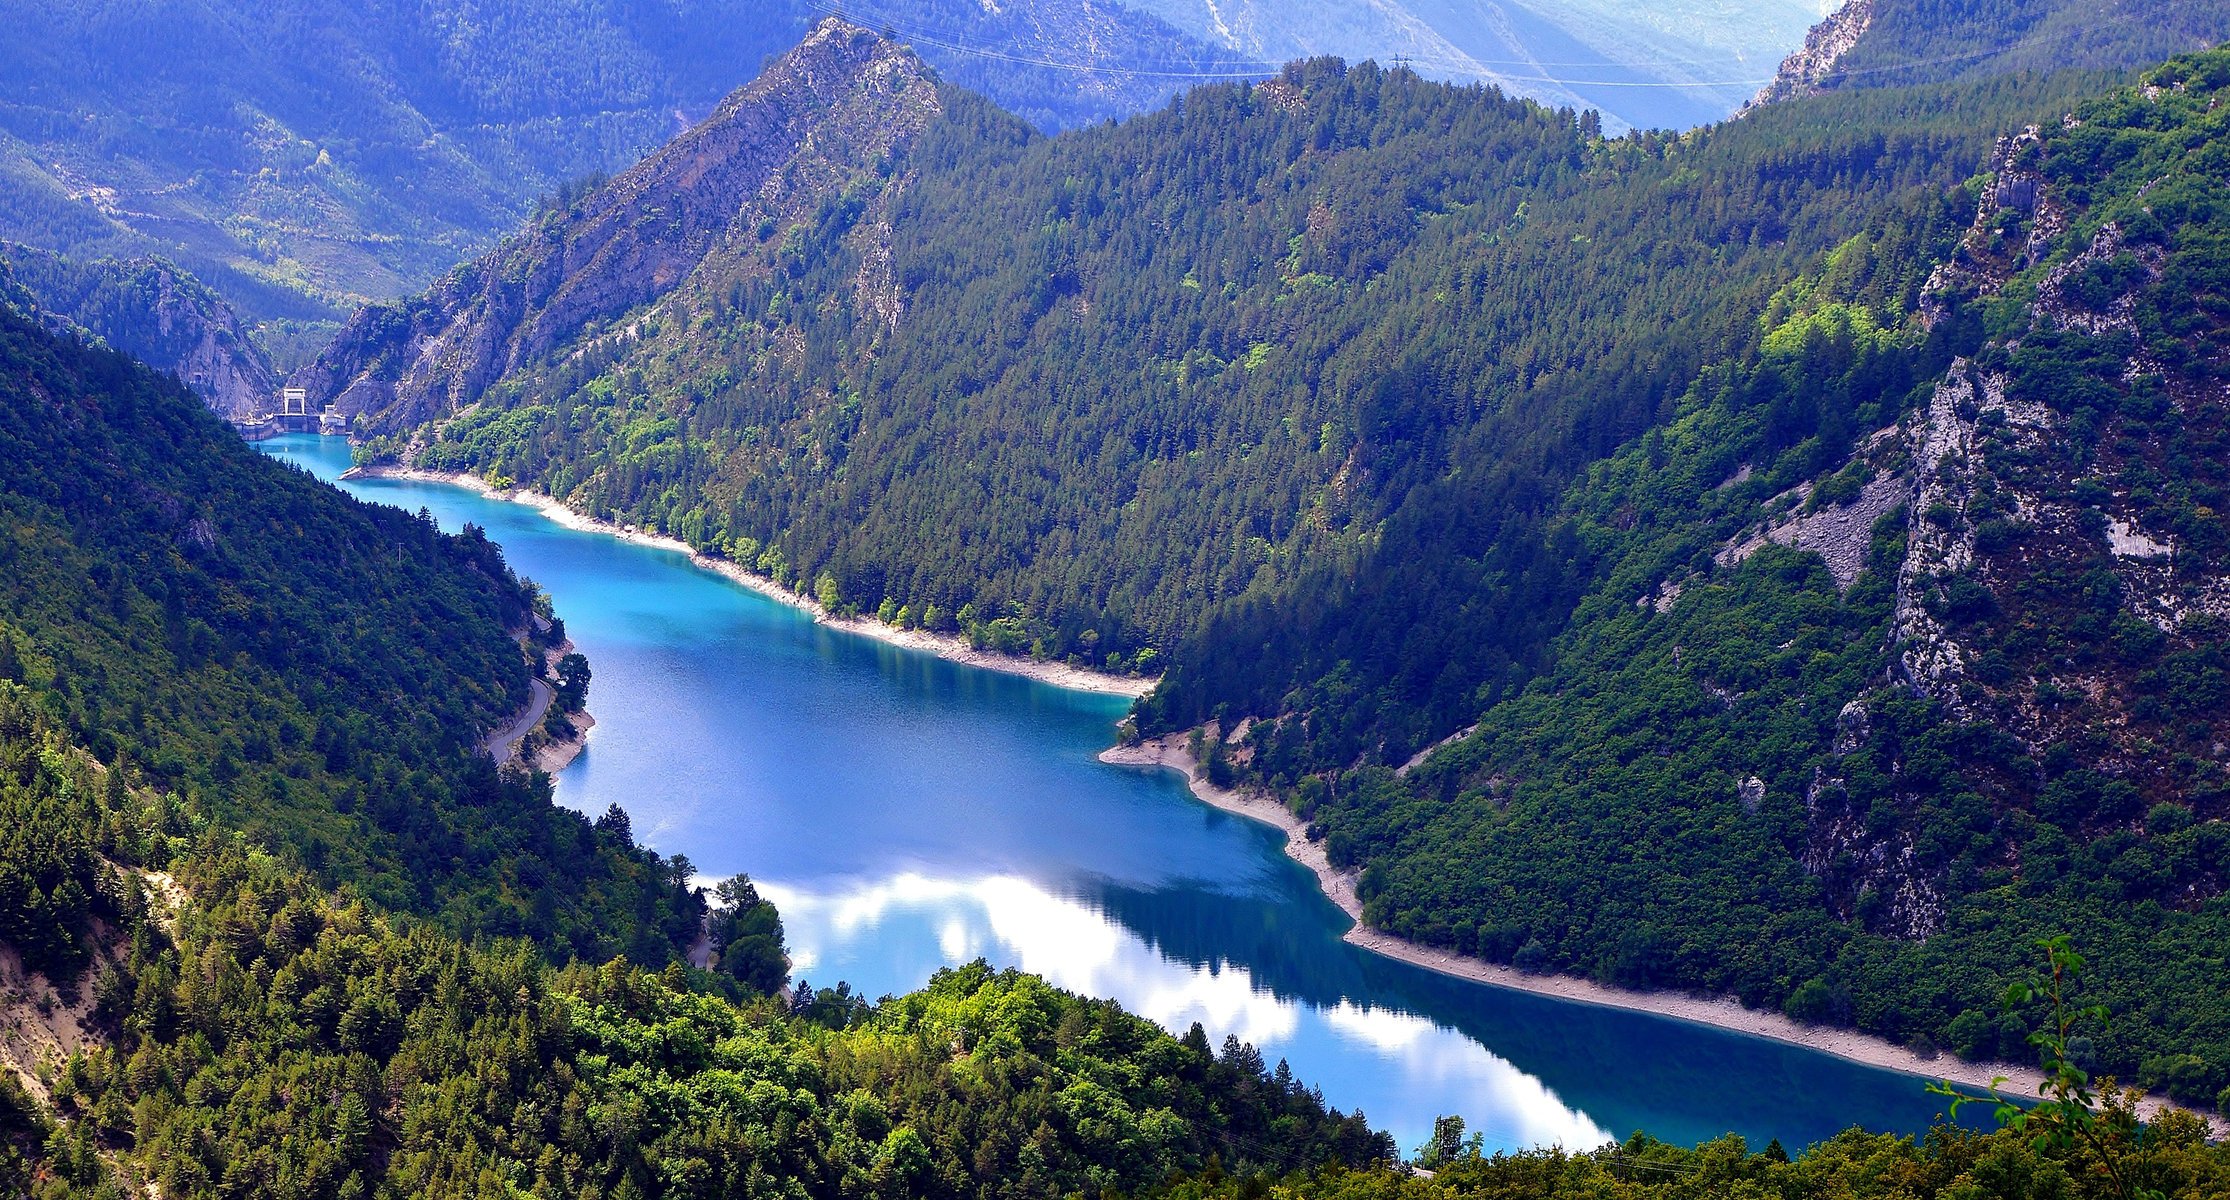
point(1897, 660)
point(1899, 43)
point(287, 662)
point(245, 1032)
point(154, 312)
point(1923, 41)
point(1289, 360)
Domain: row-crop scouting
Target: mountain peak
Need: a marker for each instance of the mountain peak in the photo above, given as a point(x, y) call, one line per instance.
point(1805, 71)
point(813, 121)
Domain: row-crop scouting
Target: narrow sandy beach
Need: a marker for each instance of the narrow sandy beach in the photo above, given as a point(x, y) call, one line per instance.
point(944, 646)
point(1170, 753)
point(1720, 1012)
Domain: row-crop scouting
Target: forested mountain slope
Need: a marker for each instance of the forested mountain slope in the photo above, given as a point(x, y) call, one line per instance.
point(1072, 395)
point(154, 312)
point(286, 662)
point(1375, 405)
point(812, 132)
point(1899, 43)
point(1911, 641)
point(228, 1028)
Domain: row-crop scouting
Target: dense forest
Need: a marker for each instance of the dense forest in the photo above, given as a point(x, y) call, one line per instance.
point(1378, 410)
point(310, 671)
point(255, 1034)
point(1273, 377)
point(1906, 646)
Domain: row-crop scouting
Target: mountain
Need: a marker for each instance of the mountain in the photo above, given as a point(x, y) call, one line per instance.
point(1907, 645)
point(156, 313)
point(1372, 407)
point(1899, 43)
point(286, 663)
point(847, 374)
point(810, 133)
point(1057, 64)
point(306, 155)
point(1665, 65)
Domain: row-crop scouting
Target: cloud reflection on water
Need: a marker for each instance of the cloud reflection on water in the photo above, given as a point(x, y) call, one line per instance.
point(1013, 922)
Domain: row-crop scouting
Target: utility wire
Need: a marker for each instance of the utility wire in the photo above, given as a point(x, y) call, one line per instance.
point(1250, 69)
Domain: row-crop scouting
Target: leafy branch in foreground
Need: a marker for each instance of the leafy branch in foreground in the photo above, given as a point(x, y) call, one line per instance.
point(2070, 1118)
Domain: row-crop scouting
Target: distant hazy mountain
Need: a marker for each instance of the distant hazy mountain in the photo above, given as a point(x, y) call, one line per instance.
point(1055, 63)
point(1668, 65)
point(305, 155)
point(302, 155)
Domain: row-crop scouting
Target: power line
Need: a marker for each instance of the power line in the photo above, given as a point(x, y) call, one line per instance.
point(1239, 69)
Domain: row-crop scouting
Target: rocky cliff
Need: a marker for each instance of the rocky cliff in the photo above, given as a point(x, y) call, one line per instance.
point(713, 203)
point(1805, 71)
point(2063, 586)
point(155, 312)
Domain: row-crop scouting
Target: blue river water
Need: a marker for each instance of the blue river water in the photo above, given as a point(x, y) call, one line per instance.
point(907, 813)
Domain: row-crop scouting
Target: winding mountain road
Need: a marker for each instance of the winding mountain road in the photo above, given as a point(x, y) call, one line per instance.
point(503, 744)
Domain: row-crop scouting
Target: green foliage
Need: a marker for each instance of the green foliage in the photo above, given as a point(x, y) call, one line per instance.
point(277, 1040)
point(1717, 780)
point(1306, 374)
point(572, 682)
point(1950, 1164)
point(297, 666)
point(745, 934)
point(2067, 1119)
point(63, 822)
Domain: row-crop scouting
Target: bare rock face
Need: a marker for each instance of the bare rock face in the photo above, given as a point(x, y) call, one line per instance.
point(1841, 533)
point(214, 356)
point(156, 313)
point(1852, 728)
point(1805, 72)
point(2009, 536)
point(809, 126)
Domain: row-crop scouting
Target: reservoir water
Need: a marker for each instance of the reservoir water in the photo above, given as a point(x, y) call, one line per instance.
point(908, 813)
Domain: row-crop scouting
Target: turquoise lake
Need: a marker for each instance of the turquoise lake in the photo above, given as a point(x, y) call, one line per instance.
point(907, 813)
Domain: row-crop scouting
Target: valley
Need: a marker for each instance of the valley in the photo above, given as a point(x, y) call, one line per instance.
point(906, 813)
point(1525, 600)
